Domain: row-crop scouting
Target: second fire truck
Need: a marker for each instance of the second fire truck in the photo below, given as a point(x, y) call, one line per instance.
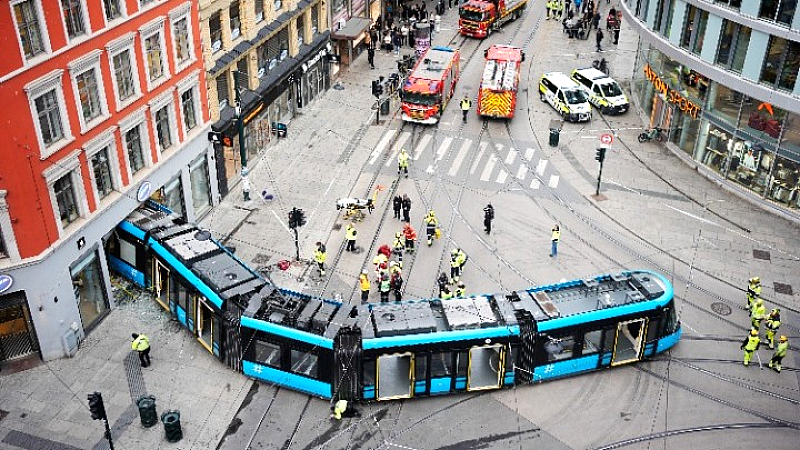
point(430, 85)
point(477, 18)
point(497, 95)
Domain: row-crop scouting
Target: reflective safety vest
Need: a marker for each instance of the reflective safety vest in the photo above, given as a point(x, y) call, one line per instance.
point(339, 408)
point(461, 258)
point(386, 284)
point(399, 243)
point(466, 104)
point(454, 261)
point(402, 158)
point(320, 256)
point(446, 295)
point(350, 233)
point(754, 289)
point(559, 6)
point(460, 292)
point(752, 343)
point(364, 282)
point(773, 324)
point(781, 350)
point(431, 221)
point(556, 235)
point(759, 312)
point(141, 343)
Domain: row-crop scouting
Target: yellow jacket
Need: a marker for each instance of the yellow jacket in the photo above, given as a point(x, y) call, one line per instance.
point(141, 343)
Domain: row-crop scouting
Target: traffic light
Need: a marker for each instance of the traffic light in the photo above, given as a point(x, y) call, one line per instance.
point(297, 218)
point(96, 406)
point(375, 87)
point(601, 154)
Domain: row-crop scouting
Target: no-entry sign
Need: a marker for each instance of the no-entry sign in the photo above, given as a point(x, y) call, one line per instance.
point(606, 138)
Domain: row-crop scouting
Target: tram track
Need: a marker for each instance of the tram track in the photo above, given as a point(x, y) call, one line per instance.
point(685, 431)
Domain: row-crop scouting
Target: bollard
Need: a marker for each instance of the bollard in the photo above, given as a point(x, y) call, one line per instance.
point(172, 425)
point(147, 410)
point(385, 107)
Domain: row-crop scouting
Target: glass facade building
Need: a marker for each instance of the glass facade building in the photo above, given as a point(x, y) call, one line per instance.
point(721, 77)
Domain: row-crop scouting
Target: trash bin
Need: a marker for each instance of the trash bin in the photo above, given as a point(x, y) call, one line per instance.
point(172, 425)
point(555, 129)
point(385, 107)
point(147, 410)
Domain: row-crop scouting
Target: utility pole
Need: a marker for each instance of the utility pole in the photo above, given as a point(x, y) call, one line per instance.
point(240, 128)
point(600, 156)
point(297, 218)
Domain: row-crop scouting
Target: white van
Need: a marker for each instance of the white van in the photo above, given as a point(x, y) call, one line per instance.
point(565, 96)
point(603, 91)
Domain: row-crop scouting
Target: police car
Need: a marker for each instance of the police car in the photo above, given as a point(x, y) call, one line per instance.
point(565, 96)
point(602, 90)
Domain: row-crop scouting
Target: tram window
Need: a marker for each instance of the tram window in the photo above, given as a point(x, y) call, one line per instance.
point(559, 348)
point(441, 364)
point(653, 329)
point(268, 354)
point(511, 358)
point(173, 287)
point(369, 372)
point(608, 340)
point(462, 360)
point(671, 321)
point(304, 363)
point(183, 296)
point(592, 342)
point(421, 367)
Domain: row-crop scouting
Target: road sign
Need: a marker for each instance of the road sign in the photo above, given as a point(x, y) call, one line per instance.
point(606, 138)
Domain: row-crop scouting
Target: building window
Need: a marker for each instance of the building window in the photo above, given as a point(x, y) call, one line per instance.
point(198, 175)
point(781, 11)
point(112, 9)
point(215, 30)
point(278, 5)
point(124, 75)
point(26, 14)
point(301, 30)
point(729, 3)
point(243, 75)
point(189, 109)
point(101, 169)
point(133, 146)
point(49, 114)
point(163, 133)
point(180, 31)
point(3, 249)
point(259, 10)
point(733, 45)
point(152, 48)
point(235, 23)
point(315, 19)
point(222, 89)
point(65, 198)
point(88, 95)
point(73, 17)
point(781, 63)
point(172, 196)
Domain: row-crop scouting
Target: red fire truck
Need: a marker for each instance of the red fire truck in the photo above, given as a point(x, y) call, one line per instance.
point(477, 18)
point(497, 96)
point(430, 85)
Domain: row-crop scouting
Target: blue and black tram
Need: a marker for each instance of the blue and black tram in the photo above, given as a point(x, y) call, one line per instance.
point(398, 350)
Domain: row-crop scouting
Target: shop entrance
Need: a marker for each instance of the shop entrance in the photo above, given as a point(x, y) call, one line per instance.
point(17, 338)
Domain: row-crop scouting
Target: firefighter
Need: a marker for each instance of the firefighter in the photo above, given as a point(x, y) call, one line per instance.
point(384, 287)
point(411, 236)
point(398, 246)
point(402, 162)
point(363, 283)
point(772, 324)
point(397, 284)
point(455, 266)
point(350, 236)
point(559, 13)
point(461, 290)
point(431, 226)
point(380, 271)
point(320, 255)
point(780, 352)
point(466, 104)
point(442, 281)
point(749, 345)
point(461, 259)
point(445, 294)
point(550, 7)
point(758, 313)
point(753, 291)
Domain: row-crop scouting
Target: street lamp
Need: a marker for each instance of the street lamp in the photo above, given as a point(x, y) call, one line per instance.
point(240, 128)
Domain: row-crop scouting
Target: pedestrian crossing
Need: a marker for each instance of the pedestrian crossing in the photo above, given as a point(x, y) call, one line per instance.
point(496, 163)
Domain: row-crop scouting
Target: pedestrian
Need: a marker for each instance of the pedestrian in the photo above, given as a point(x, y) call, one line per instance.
point(554, 238)
point(245, 186)
point(780, 353)
point(445, 294)
point(772, 324)
point(406, 208)
point(616, 35)
point(431, 226)
point(363, 284)
point(559, 13)
point(142, 345)
point(757, 314)
point(411, 236)
point(398, 246)
point(350, 236)
point(461, 290)
point(488, 216)
point(749, 345)
point(402, 162)
point(598, 37)
point(596, 20)
point(461, 259)
point(753, 291)
point(371, 57)
point(397, 206)
point(385, 287)
point(466, 104)
point(442, 281)
point(404, 35)
point(550, 5)
point(397, 285)
point(450, 4)
point(397, 41)
point(343, 409)
point(320, 255)
point(455, 266)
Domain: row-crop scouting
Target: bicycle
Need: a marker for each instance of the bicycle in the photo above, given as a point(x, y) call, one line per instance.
point(652, 133)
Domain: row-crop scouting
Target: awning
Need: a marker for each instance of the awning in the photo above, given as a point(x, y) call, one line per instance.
point(352, 29)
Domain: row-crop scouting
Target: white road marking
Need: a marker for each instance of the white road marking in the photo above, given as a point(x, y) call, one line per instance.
point(501, 177)
point(542, 165)
point(440, 153)
point(397, 146)
point(512, 155)
point(475, 163)
point(522, 172)
point(462, 153)
point(487, 170)
point(381, 145)
point(529, 153)
point(535, 183)
point(553, 181)
point(423, 144)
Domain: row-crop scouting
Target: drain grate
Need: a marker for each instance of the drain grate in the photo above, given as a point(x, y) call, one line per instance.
point(761, 254)
point(721, 308)
point(261, 259)
point(783, 288)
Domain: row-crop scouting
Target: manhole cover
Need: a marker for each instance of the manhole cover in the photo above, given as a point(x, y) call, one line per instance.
point(782, 288)
point(721, 308)
point(260, 259)
point(761, 254)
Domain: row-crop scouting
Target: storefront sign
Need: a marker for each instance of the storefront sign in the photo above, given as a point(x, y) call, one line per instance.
point(5, 283)
point(672, 96)
point(310, 63)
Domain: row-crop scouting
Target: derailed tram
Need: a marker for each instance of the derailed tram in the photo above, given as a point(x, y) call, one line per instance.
point(378, 352)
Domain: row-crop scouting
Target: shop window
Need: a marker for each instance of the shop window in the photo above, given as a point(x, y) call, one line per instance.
point(781, 11)
point(781, 63)
point(670, 14)
point(559, 348)
point(89, 289)
point(740, 49)
point(785, 180)
point(235, 22)
point(699, 34)
point(304, 363)
point(172, 196)
point(215, 31)
point(441, 365)
point(716, 151)
point(726, 39)
point(268, 354)
point(201, 195)
point(592, 342)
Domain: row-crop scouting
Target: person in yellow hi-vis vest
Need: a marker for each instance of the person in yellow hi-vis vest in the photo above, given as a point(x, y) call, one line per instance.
point(772, 324)
point(554, 238)
point(758, 313)
point(142, 345)
point(402, 162)
point(750, 345)
point(466, 104)
point(780, 352)
point(753, 291)
point(320, 255)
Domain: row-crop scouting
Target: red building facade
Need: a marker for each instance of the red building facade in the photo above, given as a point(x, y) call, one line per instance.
point(103, 103)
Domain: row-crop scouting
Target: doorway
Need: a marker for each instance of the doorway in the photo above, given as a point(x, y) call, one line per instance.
point(628, 343)
point(17, 338)
point(485, 367)
point(205, 325)
point(395, 376)
point(161, 283)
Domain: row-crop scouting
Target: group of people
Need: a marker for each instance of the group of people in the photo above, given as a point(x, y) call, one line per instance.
point(758, 313)
point(584, 17)
point(391, 36)
point(452, 286)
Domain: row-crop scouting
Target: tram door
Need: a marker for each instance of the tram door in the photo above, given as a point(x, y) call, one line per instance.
point(628, 342)
point(205, 325)
point(161, 283)
point(395, 376)
point(485, 367)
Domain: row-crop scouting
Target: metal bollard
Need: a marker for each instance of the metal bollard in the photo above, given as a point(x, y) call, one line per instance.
point(147, 410)
point(172, 425)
